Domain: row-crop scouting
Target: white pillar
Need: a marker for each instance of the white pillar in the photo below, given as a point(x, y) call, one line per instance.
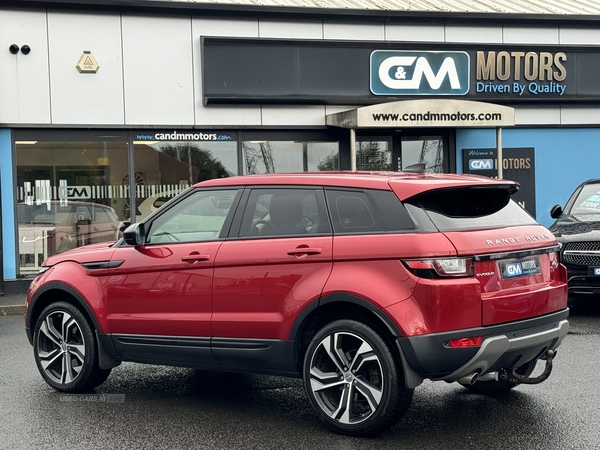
point(499, 150)
point(352, 149)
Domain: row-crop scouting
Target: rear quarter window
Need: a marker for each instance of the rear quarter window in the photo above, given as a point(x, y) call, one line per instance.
point(367, 211)
point(471, 208)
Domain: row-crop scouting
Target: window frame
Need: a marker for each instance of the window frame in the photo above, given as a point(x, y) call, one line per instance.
point(372, 205)
point(151, 220)
point(245, 203)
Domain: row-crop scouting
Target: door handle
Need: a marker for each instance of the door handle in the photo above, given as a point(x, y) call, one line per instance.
point(194, 257)
point(302, 251)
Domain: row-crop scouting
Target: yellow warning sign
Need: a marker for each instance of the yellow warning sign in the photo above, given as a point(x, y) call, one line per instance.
point(87, 63)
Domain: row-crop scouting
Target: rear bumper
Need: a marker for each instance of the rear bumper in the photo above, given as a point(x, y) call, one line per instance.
point(504, 346)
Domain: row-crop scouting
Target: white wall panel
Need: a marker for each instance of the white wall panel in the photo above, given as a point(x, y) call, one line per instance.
point(482, 34)
point(418, 33)
point(86, 98)
point(530, 35)
point(581, 36)
point(334, 109)
point(537, 115)
point(158, 71)
point(215, 114)
point(290, 30)
point(354, 31)
point(589, 115)
point(293, 115)
point(225, 115)
point(24, 79)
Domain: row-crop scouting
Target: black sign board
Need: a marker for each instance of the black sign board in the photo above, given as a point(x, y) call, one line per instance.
point(518, 164)
point(253, 70)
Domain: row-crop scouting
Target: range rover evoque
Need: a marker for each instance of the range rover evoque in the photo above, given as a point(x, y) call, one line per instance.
point(362, 284)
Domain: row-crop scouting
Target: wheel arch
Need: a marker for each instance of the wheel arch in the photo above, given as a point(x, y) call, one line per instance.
point(53, 292)
point(334, 306)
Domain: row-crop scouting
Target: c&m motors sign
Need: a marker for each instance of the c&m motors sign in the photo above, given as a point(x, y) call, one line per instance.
point(261, 71)
point(419, 73)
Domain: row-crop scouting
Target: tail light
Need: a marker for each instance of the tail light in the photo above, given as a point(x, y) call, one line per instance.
point(440, 267)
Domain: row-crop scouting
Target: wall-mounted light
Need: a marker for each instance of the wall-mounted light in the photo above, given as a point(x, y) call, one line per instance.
point(14, 49)
point(25, 49)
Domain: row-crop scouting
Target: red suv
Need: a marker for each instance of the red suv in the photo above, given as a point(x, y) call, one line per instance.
point(362, 284)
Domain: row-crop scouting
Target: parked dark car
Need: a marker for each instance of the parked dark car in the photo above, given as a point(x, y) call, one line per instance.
point(362, 284)
point(577, 229)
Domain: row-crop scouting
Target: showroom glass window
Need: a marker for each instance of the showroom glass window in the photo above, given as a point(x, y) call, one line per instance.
point(272, 156)
point(166, 163)
point(74, 187)
point(423, 149)
point(374, 153)
point(70, 191)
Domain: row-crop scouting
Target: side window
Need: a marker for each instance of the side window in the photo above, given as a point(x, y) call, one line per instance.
point(367, 211)
point(104, 215)
point(83, 216)
point(285, 212)
point(199, 217)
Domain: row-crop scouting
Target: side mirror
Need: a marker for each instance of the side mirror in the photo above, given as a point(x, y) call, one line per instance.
point(135, 234)
point(556, 211)
point(83, 220)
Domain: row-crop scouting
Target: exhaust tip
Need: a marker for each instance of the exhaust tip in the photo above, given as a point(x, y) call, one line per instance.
point(469, 379)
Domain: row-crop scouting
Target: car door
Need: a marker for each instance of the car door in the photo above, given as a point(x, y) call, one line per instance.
point(160, 292)
point(277, 265)
point(105, 224)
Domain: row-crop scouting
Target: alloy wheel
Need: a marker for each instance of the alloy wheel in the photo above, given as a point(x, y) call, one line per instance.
point(346, 378)
point(61, 347)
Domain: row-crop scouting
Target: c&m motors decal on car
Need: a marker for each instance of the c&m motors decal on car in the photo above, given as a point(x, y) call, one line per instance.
point(419, 73)
point(520, 268)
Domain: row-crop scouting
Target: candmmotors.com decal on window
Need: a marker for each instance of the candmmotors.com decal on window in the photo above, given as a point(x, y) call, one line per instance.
point(183, 136)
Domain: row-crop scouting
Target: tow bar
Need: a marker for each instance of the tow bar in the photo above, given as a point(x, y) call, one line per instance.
point(515, 378)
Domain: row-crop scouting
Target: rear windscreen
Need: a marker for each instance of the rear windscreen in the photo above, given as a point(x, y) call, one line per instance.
point(471, 209)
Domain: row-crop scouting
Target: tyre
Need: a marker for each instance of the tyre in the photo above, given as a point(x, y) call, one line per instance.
point(497, 387)
point(354, 379)
point(65, 349)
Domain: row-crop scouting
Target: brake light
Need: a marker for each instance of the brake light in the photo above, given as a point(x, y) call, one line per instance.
point(474, 341)
point(442, 267)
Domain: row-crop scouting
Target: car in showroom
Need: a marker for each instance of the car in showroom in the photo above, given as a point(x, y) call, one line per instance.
point(55, 226)
point(577, 229)
point(361, 284)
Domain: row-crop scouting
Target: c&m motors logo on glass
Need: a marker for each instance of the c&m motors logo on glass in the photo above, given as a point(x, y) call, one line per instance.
point(419, 73)
point(481, 164)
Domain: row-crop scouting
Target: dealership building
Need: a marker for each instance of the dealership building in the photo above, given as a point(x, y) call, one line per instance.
point(108, 108)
